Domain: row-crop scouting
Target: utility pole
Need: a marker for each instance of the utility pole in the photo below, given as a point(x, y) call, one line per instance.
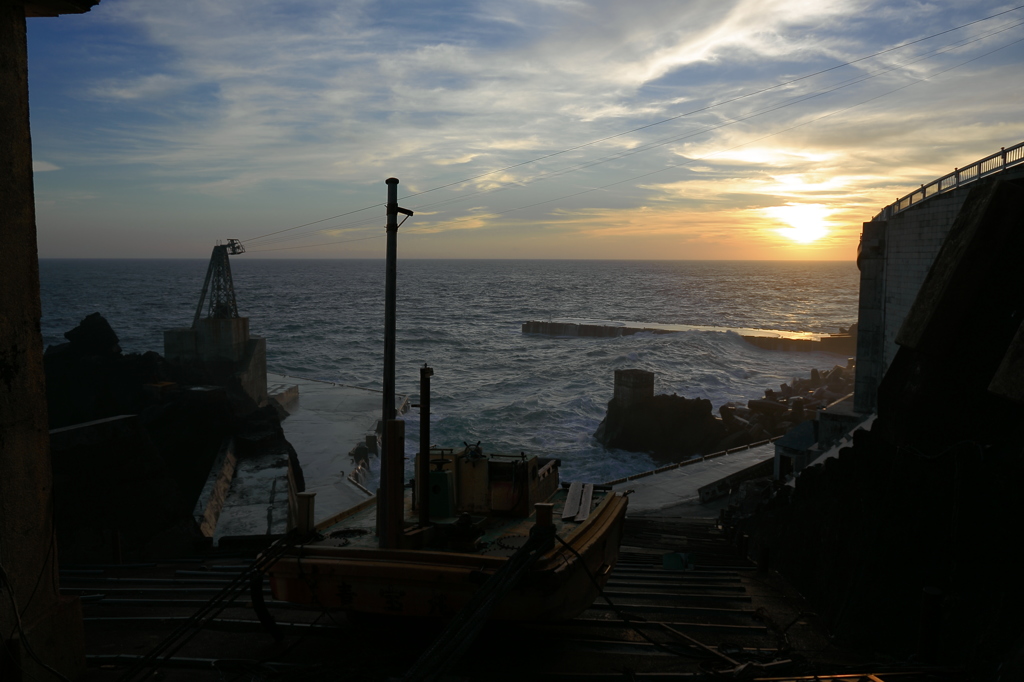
point(390, 285)
point(387, 486)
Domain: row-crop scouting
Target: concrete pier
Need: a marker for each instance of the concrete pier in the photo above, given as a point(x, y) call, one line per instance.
point(677, 487)
point(769, 339)
point(325, 421)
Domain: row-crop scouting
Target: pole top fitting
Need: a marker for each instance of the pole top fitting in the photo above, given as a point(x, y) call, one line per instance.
point(392, 181)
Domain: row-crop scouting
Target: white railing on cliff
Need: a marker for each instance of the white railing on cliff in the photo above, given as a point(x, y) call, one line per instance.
point(1001, 160)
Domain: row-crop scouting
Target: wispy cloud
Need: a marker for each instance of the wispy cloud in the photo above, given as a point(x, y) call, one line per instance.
point(237, 101)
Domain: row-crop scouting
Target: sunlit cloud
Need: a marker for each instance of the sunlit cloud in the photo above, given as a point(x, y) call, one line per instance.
point(474, 221)
point(272, 113)
point(806, 221)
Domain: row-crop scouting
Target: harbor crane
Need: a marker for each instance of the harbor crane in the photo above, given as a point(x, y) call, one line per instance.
point(222, 295)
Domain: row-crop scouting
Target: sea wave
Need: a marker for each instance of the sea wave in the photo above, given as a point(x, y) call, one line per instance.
point(513, 392)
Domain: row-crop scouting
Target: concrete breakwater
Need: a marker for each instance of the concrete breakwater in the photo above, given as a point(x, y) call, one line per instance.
point(780, 411)
point(674, 427)
point(845, 342)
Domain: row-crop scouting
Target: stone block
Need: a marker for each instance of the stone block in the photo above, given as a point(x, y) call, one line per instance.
point(632, 385)
point(180, 345)
point(222, 339)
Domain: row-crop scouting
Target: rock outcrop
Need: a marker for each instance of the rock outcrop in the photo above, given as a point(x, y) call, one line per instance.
point(665, 425)
point(674, 427)
point(150, 465)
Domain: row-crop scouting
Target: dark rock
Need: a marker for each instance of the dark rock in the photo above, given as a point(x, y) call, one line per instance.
point(88, 378)
point(259, 430)
point(767, 407)
point(113, 491)
point(667, 426)
point(93, 336)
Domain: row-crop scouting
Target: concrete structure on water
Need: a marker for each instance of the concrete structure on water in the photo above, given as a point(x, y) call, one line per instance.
point(896, 257)
point(897, 250)
point(218, 348)
point(221, 350)
point(632, 385)
point(38, 627)
point(843, 343)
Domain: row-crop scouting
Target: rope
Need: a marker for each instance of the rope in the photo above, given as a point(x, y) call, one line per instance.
point(211, 609)
point(464, 627)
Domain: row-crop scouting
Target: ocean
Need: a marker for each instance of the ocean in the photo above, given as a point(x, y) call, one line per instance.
point(323, 319)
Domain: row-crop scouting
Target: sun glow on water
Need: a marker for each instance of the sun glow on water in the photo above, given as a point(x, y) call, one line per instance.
point(806, 221)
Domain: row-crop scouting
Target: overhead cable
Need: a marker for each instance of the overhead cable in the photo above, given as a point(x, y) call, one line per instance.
point(643, 127)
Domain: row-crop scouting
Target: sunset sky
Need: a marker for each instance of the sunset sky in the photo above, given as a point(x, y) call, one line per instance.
point(533, 129)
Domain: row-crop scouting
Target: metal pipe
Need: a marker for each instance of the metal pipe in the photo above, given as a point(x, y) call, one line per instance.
point(423, 472)
point(392, 522)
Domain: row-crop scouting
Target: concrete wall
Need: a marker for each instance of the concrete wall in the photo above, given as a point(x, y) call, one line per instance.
point(913, 239)
point(871, 317)
point(220, 339)
point(115, 496)
point(220, 350)
point(633, 385)
point(180, 345)
point(28, 556)
point(896, 256)
point(253, 375)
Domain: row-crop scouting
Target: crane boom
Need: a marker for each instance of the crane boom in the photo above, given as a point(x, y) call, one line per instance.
point(218, 274)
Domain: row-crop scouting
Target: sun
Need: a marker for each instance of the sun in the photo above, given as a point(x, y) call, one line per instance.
point(806, 221)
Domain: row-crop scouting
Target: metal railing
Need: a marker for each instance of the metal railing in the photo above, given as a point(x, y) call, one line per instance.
point(1001, 160)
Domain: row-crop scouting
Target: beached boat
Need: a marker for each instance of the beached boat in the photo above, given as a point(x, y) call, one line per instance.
point(479, 534)
point(483, 510)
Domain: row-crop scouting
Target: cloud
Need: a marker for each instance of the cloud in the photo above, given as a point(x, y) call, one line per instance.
point(43, 166)
point(496, 101)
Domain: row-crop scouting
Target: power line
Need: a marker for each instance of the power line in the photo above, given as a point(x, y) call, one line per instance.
point(748, 142)
point(309, 246)
point(664, 141)
point(710, 106)
point(676, 138)
point(326, 230)
point(650, 125)
point(324, 220)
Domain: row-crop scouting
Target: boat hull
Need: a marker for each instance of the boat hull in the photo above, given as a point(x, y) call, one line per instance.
point(406, 582)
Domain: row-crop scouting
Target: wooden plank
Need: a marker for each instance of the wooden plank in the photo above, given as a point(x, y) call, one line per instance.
point(572, 501)
point(585, 500)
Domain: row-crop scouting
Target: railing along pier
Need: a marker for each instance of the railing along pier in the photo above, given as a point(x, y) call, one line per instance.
point(1001, 160)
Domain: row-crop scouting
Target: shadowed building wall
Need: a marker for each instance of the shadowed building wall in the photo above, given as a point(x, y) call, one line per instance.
point(895, 257)
point(52, 625)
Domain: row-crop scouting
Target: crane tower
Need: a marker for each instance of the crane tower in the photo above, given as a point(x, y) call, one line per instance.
point(218, 274)
point(218, 349)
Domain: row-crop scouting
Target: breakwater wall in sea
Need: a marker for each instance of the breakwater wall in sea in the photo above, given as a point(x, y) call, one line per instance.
point(844, 343)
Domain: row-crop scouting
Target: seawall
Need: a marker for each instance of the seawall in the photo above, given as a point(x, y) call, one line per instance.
point(843, 344)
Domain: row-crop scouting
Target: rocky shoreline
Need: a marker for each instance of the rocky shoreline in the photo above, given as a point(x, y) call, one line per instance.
point(672, 427)
point(132, 443)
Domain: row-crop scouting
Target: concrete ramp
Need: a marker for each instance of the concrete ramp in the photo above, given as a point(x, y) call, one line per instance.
point(681, 484)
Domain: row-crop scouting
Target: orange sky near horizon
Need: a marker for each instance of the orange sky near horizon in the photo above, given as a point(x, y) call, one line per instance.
point(732, 130)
